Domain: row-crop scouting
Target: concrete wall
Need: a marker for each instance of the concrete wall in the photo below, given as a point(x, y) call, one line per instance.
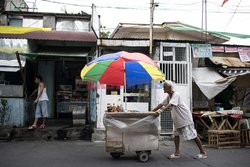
point(63, 24)
point(3, 19)
point(32, 22)
point(54, 22)
point(21, 112)
point(11, 90)
point(49, 22)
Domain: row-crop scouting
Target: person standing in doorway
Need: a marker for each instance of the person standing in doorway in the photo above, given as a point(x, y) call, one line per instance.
point(41, 103)
point(182, 120)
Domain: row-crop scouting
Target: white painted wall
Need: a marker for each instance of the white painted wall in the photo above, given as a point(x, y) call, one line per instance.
point(104, 99)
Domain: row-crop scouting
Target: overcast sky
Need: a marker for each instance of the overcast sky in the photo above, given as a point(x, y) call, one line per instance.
point(234, 16)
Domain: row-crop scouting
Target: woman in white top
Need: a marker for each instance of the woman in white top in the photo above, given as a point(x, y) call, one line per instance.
point(42, 103)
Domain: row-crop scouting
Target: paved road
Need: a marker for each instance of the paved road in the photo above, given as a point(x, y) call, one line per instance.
point(87, 154)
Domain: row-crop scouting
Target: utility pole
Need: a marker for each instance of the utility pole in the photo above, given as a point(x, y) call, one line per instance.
point(152, 8)
point(204, 19)
point(151, 28)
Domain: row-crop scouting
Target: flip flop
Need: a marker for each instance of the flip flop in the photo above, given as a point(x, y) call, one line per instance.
point(32, 127)
point(174, 156)
point(201, 156)
point(42, 126)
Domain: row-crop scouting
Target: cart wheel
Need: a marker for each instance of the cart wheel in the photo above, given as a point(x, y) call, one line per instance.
point(115, 155)
point(143, 156)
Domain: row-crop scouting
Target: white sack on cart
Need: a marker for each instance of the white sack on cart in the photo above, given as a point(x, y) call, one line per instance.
point(146, 124)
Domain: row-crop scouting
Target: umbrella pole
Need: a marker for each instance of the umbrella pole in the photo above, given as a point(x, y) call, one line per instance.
point(125, 97)
point(125, 91)
point(125, 87)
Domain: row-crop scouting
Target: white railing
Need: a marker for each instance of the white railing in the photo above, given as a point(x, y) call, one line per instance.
point(177, 72)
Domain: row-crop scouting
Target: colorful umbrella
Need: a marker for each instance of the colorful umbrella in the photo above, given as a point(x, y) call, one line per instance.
point(122, 67)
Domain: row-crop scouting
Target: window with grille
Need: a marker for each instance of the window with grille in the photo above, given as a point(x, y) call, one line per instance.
point(174, 64)
point(166, 123)
point(180, 54)
point(174, 54)
point(168, 54)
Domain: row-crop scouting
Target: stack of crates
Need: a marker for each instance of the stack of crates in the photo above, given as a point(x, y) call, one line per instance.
point(224, 138)
point(245, 137)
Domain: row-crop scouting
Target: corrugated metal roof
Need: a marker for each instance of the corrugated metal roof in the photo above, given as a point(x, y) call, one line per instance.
point(137, 42)
point(229, 62)
point(55, 36)
point(167, 30)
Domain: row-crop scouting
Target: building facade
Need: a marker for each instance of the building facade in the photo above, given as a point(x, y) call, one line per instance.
point(54, 45)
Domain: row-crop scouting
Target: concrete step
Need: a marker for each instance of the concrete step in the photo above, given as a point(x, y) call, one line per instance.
point(56, 122)
point(49, 133)
point(99, 135)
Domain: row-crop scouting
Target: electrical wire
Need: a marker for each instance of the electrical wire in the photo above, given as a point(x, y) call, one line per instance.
point(232, 16)
point(147, 8)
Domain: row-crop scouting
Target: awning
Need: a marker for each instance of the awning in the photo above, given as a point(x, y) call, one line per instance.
point(20, 30)
point(229, 62)
point(9, 69)
point(58, 51)
point(88, 37)
point(11, 63)
point(35, 55)
point(205, 79)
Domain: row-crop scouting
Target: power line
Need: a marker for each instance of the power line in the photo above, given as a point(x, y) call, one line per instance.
point(64, 3)
point(232, 15)
point(146, 8)
point(209, 11)
point(183, 4)
point(108, 7)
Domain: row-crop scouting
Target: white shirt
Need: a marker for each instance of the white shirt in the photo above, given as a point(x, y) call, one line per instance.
point(44, 95)
point(181, 114)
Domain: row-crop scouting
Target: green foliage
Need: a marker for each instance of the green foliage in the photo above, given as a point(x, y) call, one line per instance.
point(4, 112)
point(104, 33)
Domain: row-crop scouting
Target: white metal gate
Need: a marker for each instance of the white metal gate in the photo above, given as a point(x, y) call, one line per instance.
point(175, 63)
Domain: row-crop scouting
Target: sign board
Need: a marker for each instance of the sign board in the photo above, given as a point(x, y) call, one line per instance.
point(218, 49)
point(244, 53)
point(202, 50)
point(168, 53)
point(231, 49)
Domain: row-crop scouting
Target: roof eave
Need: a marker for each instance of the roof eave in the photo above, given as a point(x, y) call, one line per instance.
point(40, 14)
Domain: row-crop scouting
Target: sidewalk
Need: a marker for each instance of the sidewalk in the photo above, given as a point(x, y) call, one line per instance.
point(55, 130)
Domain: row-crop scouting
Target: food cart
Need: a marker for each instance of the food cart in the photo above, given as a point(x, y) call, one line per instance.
point(132, 132)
